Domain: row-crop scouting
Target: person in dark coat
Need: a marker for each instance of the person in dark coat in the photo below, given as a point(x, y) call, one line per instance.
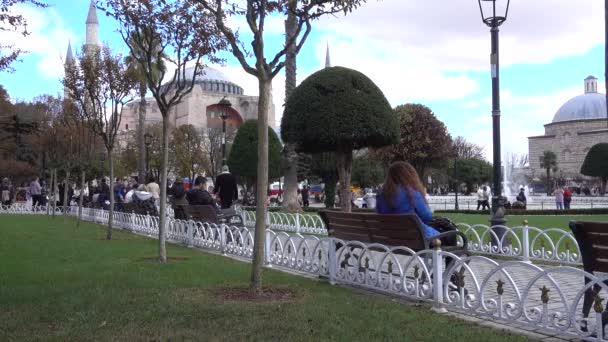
point(198, 195)
point(225, 186)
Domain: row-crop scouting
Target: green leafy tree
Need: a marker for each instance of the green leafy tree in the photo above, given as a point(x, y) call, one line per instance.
point(341, 110)
point(243, 156)
point(367, 172)
point(548, 161)
point(424, 140)
point(596, 163)
point(471, 171)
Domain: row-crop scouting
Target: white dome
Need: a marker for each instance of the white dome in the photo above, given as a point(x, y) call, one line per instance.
point(212, 80)
point(590, 105)
point(583, 107)
point(208, 74)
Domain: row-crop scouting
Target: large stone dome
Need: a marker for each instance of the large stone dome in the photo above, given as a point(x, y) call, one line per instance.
point(590, 105)
point(214, 81)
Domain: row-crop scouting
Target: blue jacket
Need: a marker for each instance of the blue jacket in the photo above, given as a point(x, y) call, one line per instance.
point(403, 206)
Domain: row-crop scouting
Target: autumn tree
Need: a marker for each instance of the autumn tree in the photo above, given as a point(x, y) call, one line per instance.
point(100, 84)
point(182, 35)
point(9, 21)
point(596, 164)
point(424, 140)
point(187, 143)
point(340, 110)
point(265, 65)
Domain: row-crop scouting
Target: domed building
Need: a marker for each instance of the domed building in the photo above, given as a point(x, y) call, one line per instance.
point(579, 123)
point(199, 108)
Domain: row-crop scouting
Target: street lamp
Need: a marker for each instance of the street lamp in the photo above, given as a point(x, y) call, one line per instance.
point(493, 14)
point(224, 106)
point(456, 186)
point(148, 143)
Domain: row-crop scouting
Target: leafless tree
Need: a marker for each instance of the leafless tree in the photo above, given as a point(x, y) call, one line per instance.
point(464, 149)
point(100, 84)
point(265, 67)
point(181, 34)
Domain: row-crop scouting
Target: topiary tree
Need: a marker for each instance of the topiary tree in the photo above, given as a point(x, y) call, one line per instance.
point(341, 110)
point(243, 158)
point(596, 163)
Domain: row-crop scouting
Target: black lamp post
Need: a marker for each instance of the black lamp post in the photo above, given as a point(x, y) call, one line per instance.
point(493, 14)
point(456, 186)
point(224, 106)
point(148, 143)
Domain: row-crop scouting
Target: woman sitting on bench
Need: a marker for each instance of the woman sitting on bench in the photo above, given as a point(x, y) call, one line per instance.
point(403, 193)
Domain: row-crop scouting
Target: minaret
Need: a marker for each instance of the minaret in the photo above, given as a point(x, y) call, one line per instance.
point(92, 27)
point(327, 61)
point(69, 59)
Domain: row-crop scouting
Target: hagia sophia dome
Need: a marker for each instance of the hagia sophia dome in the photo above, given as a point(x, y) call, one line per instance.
point(213, 80)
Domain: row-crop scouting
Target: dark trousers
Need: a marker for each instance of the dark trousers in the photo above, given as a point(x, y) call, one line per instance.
point(36, 200)
point(226, 203)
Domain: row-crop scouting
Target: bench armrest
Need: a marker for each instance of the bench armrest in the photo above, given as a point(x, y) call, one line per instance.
point(465, 241)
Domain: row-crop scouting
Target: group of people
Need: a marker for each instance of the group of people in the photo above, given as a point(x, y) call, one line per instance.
point(563, 197)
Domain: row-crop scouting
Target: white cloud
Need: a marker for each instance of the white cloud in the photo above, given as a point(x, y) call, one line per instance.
point(48, 39)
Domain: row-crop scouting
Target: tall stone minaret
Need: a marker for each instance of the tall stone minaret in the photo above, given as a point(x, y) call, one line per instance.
point(69, 59)
point(92, 28)
point(327, 61)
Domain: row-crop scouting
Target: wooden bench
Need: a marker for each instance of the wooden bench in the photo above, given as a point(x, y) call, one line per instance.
point(390, 230)
point(207, 213)
point(592, 239)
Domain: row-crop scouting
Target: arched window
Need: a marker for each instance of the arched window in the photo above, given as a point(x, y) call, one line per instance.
point(567, 138)
point(566, 155)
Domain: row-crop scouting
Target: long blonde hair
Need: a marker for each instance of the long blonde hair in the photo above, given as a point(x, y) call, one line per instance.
point(402, 174)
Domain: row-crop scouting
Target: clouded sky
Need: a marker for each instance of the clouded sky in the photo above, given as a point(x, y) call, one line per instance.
point(430, 52)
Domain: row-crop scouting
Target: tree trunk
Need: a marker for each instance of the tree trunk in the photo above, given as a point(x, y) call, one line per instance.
point(81, 196)
point(549, 182)
point(48, 205)
point(289, 156)
point(162, 223)
point(54, 191)
point(66, 185)
point(141, 131)
point(261, 187)
point(111, 218)
point(344, 159)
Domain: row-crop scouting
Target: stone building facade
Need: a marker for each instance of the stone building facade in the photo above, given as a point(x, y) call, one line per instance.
point(199, 108)
point(578, 125)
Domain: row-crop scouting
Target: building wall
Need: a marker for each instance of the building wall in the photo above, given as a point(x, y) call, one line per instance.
point(570, 141)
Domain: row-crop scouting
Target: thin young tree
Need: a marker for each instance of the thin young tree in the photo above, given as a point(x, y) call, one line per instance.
point(548, 161)
point(100, 84)
point(133, 61)
point(183, 35)
point(265, 67)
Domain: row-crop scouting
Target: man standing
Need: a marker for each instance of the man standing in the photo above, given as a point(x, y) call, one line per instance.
point(35, 192)
point(225, 186)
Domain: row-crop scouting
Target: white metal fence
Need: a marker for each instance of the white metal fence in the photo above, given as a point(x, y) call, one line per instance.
point(511, 292)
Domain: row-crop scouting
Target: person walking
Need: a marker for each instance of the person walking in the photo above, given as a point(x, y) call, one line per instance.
point(305, 196)
point(35, 192)
point(153, 188)
point(567, 198)
point(559, 198)
point(225, 188)
point(7, 191)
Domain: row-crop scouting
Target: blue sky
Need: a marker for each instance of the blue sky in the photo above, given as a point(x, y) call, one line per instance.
point(435, 54)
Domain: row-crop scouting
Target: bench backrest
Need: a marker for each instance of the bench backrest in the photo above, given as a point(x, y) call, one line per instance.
point(393, 230)
point(205, 213)
point(592, 238)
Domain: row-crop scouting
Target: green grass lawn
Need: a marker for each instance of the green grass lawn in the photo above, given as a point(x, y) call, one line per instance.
point(59, 282)
point(540, 221)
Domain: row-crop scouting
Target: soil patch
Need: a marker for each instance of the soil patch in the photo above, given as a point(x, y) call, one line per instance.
point(269, 295)
point(169, 259)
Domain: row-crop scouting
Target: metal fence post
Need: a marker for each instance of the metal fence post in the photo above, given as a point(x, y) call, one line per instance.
point(438, 279)
point(267, 250)
point(223, 238)
point(526, 241)
point(190, 226)
point(297, 223)
point(332, 261)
